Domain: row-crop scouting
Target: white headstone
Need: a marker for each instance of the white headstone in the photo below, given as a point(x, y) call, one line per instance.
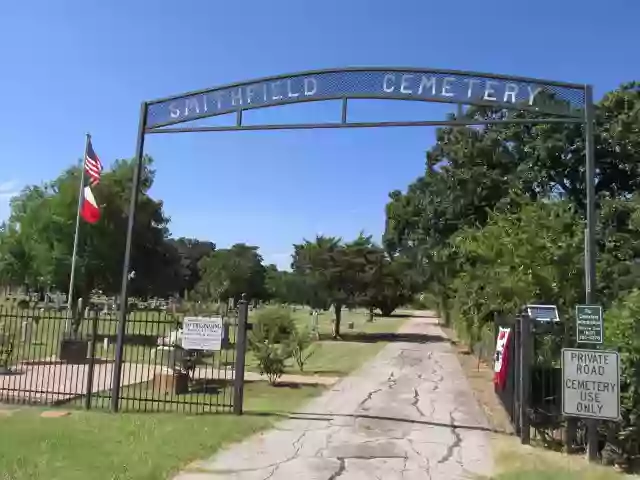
point(26, 331)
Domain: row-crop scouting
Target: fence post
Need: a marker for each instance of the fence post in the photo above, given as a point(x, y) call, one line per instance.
point(92, 357)
point(526, 349)
point(241, 349)
point(515, 376)
point(570, 432)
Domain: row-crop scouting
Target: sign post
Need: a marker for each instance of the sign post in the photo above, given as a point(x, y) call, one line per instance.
point(591, 384)
point(589, 324)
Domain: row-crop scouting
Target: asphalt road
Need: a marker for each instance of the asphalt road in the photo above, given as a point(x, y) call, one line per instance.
point(408, 414)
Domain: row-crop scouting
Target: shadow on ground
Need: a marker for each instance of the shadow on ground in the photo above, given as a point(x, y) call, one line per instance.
point(327, 417)
point(41, 363)
point(362, 337)
point(208, 386)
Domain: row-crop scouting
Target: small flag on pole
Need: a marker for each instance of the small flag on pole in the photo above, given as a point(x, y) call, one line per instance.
point(89, 209)
point(92, 165)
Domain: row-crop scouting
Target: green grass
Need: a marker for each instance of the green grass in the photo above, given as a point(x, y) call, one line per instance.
point(46, 335)
point(100, 446)
point(515, 462)
point(340, 357)
point(330, 357)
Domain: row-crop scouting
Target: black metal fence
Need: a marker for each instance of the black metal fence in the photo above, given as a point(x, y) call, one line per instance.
point(532, 394)
point(47, 358)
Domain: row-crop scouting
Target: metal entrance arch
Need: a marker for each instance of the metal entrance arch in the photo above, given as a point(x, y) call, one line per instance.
point(555, 102)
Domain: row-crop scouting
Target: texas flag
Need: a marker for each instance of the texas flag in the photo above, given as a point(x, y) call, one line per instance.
point(89, 209)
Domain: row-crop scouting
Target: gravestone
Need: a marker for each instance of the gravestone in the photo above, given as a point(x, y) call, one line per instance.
point(27, 328)
point(314, 323)
point(58, 301)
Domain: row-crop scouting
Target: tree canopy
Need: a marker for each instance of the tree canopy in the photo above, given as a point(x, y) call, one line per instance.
point(475, 177)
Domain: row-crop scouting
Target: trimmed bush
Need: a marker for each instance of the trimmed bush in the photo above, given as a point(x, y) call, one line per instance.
point(270, 341)
point(275, 324)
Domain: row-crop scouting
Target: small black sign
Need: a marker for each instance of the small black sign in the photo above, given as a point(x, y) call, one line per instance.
point(589, 324)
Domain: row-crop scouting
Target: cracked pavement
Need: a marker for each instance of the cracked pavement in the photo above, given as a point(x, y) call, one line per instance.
point(407, 414)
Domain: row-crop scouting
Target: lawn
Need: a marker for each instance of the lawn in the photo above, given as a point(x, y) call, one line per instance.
point(516, 462)
point(100, 446)
point(341, 357)
point(42, 339)
point(330, 357)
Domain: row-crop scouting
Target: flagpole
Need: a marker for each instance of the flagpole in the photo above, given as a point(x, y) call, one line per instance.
point(75, 237)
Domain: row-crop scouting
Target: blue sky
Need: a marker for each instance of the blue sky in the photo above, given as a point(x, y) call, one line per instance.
point(71, 67)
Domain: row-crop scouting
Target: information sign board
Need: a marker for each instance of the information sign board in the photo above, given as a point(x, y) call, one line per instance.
point(202, 333)
point(591, 383)
point(589, 323)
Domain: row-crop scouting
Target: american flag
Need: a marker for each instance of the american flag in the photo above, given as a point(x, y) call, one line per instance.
point(92, 165)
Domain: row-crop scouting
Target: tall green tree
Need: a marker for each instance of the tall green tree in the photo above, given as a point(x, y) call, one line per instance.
point(38, 243)
point(342, 273)
point(189, 251)
point(323, 265)
point(389, 283)
point(286, 287)
point(472, 172)
point(229, 272)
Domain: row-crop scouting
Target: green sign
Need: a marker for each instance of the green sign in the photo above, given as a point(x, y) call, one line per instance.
point(589, 323)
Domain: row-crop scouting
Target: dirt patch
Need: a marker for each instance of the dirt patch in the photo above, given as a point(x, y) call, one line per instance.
point(54, 414)
point(480, 377)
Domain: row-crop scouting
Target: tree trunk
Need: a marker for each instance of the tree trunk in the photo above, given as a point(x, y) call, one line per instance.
point(336, 323)
point(443, 307)
point(370, 315)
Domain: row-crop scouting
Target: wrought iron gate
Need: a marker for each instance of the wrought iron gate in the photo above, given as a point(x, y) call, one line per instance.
point(42, 364)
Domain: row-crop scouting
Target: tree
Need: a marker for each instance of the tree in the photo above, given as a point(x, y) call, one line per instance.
point(390, 283)
point(38, 243)
point(228, 273)
point(622, 334)
point(531, 256)
point(618, 269)
point(333, 272)
point(472, 172)
point(190, 251)
point(285, 287)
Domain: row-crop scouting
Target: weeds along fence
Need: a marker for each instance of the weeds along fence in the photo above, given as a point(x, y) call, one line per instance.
point(48, 357)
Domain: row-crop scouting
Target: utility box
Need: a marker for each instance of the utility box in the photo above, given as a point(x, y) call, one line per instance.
point(542, 313)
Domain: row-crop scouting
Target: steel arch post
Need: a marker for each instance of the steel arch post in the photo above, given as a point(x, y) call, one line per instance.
point(122, 317)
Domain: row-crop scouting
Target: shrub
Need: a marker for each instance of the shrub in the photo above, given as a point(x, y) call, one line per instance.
point(275, 324)
point(270, 341)
point(622, 333)
point(300, 342)
point(270, 354)
point(271, 358)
